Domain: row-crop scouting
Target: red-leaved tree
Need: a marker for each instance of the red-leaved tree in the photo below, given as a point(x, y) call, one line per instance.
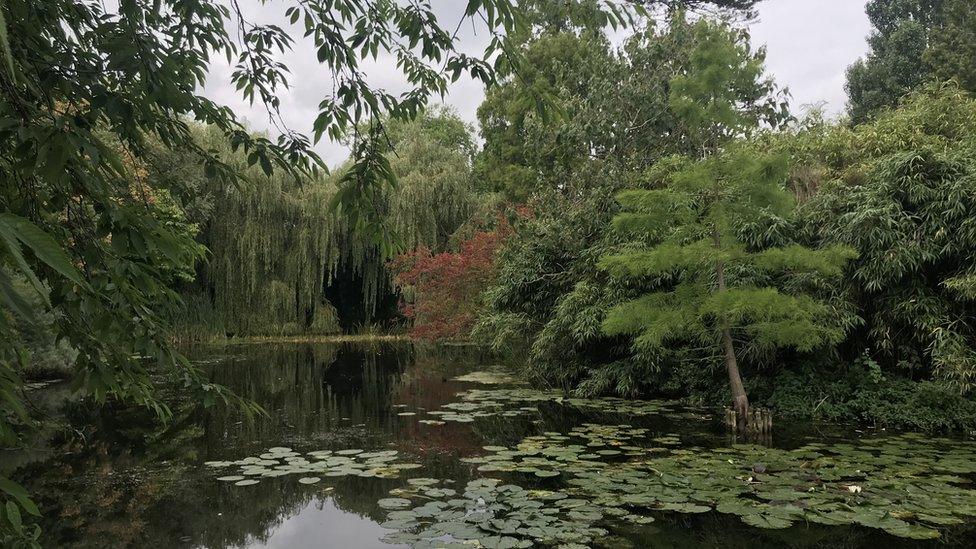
point(441, 291)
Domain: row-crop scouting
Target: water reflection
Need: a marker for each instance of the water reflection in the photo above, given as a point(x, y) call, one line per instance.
point(116, 479)
point(121, 478)
point(323, 520)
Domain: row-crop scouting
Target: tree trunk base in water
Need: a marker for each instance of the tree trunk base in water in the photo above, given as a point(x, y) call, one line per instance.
point(756, 422)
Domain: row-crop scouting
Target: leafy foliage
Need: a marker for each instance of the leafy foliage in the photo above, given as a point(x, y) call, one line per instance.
point(861, 393)
point(276, 245)
point(899, 190)
point(911, 43)
point(615, 105)
point(442, 291)
point(84, 86)
point(952, 51)
point(549, 295)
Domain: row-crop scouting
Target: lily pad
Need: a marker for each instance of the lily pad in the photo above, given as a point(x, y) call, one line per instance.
point(394, 503)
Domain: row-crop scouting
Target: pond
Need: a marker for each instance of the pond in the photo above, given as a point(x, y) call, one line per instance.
point(390, 445)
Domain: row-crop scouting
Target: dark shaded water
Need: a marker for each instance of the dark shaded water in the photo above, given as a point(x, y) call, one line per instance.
point(118, 480)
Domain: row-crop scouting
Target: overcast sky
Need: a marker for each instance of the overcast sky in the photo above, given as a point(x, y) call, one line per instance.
point(809, 46)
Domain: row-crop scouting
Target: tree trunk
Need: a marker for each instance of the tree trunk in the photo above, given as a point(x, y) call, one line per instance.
point(740, 401)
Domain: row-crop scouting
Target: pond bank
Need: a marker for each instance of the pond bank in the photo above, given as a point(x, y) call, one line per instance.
point(334, 339)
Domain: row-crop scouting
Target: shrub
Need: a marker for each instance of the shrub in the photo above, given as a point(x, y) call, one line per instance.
point(442, 292)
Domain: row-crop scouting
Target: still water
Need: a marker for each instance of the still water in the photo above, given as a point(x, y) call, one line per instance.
point(118, 480)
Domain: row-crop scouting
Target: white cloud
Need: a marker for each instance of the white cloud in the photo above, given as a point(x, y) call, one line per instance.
point(810, 44)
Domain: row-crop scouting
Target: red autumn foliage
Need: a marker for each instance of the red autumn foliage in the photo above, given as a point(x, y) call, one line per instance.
point(442, 290)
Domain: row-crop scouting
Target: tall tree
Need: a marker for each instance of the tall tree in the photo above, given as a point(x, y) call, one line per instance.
point(912, 41)
point(613, 103)
point(712, 287)
point(549, 294)
point(85, 84)
point(952, 53)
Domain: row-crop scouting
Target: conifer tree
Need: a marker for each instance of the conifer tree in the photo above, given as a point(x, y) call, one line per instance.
point(713, 287)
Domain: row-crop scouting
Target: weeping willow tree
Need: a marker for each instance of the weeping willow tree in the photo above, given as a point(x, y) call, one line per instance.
point(434, 196)
point(269, 240)
point(277, 246)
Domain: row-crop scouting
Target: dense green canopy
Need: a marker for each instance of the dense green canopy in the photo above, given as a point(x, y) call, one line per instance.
point(833, 260)
point(911, 43)
point(275, 245)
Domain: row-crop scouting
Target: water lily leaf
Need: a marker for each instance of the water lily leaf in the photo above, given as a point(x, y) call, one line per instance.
point(394, 503)
point(638, 519)
point(912, 531)
point(685, 507)
point(423, 481)
point(760, 520)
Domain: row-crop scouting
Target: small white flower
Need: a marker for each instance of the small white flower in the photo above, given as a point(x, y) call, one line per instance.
point(854, 489)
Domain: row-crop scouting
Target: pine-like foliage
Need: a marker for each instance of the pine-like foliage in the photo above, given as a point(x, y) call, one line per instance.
point(709, 286)
point(694, 220)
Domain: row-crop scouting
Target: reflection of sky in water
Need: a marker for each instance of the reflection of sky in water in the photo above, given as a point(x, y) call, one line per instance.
point(120, 483)
point(321, 524)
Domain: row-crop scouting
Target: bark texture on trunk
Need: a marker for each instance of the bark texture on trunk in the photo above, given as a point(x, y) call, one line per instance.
point(740, 401)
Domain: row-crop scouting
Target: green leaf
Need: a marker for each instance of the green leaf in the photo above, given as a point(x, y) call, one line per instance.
point(14, 301)
point(17, 492)
point(13, 515)
point(473, 7)
point(13, 247)
point(45, 248)
point(766, 521)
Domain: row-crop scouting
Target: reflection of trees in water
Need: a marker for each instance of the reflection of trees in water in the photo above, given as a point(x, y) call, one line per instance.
point(307, 390)
point(121, 480)
point(122, 477)
point(109, 472)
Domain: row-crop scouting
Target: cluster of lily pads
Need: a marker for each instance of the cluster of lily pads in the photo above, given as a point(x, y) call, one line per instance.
point(481, 403)
point(517, 401)
point(488, 514)
point(551, 454)
point(632, 408)
point(616, 473)
point(488, 377)
point(281, 461)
